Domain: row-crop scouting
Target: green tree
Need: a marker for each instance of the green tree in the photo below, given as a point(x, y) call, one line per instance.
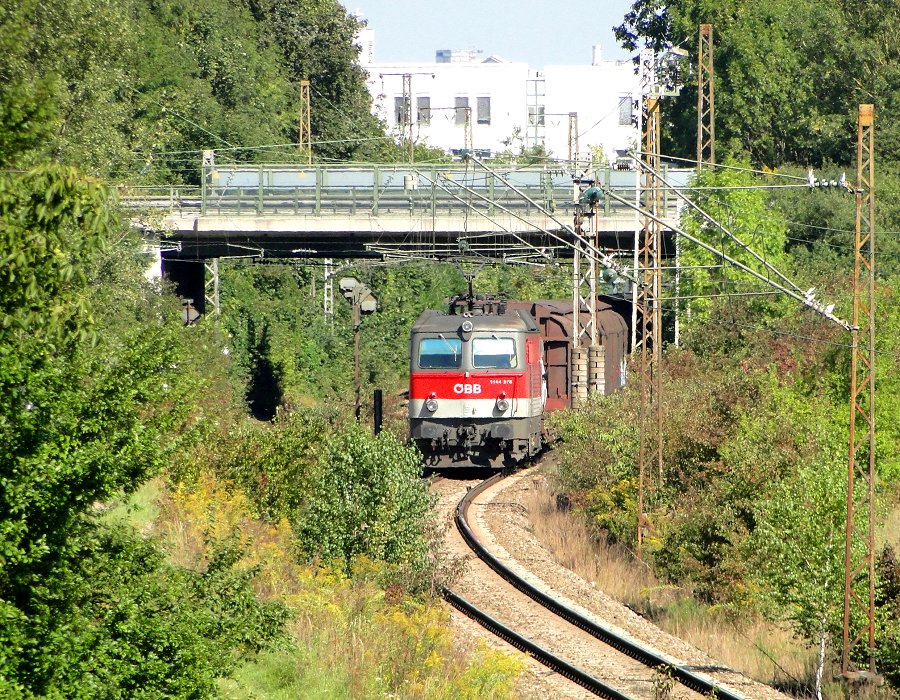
point(316, 40)
point(789, 74)
point(728, 197)
point(369, 502)
point(798, 549)
point(92, 395)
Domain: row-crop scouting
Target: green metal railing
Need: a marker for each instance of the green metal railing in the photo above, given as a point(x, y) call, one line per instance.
point(375, 191)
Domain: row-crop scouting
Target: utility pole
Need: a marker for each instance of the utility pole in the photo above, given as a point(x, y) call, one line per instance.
point(573, 139)
point(648, 298)
point(467, 136)
point(328, 292)
point(587, 360)
point(305, 121)
point(706, 106)
point(862, 406)
point(706, 139)
point(406, 113)
point(650, 451)
point(211, 285)
point(357, 387)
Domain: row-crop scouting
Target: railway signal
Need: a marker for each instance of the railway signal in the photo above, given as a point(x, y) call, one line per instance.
point(364, 302)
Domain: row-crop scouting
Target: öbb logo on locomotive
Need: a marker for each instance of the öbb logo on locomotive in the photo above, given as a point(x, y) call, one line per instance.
point(467, 388)
point(512, 361)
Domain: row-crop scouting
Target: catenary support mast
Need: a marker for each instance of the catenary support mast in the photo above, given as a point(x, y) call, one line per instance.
point(305, 121)
point(860, 528)
point(706, 106)
point(650, 316)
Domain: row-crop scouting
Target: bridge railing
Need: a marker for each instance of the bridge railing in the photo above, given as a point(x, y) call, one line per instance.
point(162, 198)
point(382, 191)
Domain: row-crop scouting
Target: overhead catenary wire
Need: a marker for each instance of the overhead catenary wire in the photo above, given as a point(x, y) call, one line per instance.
point(808, 302)
point(604, 259)
point(710, 219)
point(722, 166)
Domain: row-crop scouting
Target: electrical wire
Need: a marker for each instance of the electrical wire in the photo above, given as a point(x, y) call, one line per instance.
point(772, 331)
point(721, 166)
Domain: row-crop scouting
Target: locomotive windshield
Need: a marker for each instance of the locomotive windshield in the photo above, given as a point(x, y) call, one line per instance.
point(498, 353)
point(440, 353)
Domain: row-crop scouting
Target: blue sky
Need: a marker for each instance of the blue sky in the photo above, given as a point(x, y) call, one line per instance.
point(539, 32)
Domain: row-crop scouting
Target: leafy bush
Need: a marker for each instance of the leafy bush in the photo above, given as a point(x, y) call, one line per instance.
point(115, 620)
point(272, 463)
point(368, 500)
point(348, 494)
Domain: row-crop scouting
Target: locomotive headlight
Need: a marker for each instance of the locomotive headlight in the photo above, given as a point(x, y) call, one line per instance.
point(431, 404)
point(502, 403)
point(467, 326)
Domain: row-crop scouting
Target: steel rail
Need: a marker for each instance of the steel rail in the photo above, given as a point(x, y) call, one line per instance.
point(564, 668)
point(679, 673)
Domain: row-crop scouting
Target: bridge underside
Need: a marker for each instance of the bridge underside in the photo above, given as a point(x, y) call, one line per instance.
point(203, 237)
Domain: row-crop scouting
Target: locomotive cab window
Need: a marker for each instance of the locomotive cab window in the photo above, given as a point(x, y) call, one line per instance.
point(440, 353)
point(496, 353)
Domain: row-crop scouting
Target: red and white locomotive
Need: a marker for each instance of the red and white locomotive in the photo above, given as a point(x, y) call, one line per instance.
point(483, 375)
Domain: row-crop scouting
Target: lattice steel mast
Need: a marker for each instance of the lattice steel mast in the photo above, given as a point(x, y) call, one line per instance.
point(587, 358)
point(305, 121)
point(706, 106)
point(649, 310)
point(573, 140)
point(862, 407)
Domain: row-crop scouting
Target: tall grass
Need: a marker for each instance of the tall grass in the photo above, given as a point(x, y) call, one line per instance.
point(348, 637)
point(763, 651)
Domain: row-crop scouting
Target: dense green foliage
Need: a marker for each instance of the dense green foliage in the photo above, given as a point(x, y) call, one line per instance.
point(287, 352)
point(114, 619)
point(750, 511)
point(789, 74)
point(92, 403)
point(749, 231)
point(370, 501)
point(134, 89)
point(348, 494)
point(350, 637)
point(100, 385)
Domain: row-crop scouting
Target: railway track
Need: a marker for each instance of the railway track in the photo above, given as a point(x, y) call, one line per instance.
point(626, 647)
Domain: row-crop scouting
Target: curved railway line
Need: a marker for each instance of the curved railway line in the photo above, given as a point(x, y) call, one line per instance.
point(641, 661)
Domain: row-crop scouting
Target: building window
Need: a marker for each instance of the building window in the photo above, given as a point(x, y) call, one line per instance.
point(625, 110)
point(423, 110)
point(536, 115)
point(462, 107)
point(401, 111)
point(484, 110)
point(483, 153)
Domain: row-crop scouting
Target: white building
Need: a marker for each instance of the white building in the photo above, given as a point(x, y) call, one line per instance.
point(507, 105)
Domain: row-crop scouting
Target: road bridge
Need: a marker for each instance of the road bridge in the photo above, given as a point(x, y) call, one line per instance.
point(372, 211)
point(377, 212)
